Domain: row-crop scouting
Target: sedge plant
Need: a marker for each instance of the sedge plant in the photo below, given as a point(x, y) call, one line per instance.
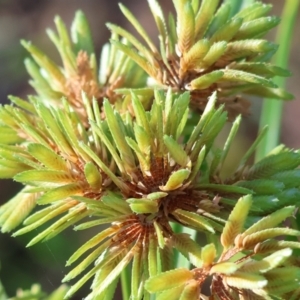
point(126, 147)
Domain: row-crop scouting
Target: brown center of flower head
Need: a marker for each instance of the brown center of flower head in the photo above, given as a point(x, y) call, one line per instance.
point(182, 198)
point(119, 146)
point(130, 230)
point(160, 171)
point(82, 81)
point(178, 76)
point(85, 80)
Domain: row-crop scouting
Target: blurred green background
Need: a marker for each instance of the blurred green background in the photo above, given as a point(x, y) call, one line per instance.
point(28, 19)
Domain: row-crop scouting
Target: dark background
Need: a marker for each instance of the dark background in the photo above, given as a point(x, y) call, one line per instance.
point(28, 19)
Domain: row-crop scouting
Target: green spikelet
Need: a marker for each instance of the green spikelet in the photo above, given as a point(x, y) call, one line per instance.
point(80, 70)
point(17, 209)
point(235, 221)
point(202, 48)
point(169, 279)
point(253, 273)
point(36, 292)
point(273, 164)
point(51, 164)
point(121, 150)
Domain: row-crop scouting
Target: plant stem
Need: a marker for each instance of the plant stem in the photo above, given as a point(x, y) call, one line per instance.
point(272, 109)
point(125, 283)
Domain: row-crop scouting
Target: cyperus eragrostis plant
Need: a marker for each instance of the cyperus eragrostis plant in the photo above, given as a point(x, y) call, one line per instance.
point(119, 144)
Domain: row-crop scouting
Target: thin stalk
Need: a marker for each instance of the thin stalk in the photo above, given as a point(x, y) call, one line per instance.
point(125, 283)
point(272, 109)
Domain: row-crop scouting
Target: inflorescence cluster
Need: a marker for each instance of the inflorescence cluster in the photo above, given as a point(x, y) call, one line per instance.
point(118, 143)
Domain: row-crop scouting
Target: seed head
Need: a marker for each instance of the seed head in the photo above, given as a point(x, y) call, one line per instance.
point(205, 48)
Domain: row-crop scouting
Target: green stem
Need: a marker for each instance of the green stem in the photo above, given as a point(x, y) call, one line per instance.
point(272, 109)
point(125, 283)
